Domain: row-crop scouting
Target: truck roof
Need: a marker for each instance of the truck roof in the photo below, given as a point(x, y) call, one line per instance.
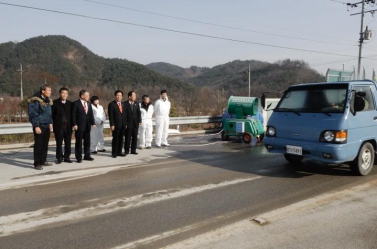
point(354, 82)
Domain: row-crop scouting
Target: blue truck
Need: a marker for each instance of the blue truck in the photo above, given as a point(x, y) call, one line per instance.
point(332, 122)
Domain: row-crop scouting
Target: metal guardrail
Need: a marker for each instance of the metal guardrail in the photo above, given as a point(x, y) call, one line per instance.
point(26, 128)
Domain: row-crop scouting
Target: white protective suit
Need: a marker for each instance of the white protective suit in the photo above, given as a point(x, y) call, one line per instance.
point(146, 128)
point(162, 111)
point(97, 141)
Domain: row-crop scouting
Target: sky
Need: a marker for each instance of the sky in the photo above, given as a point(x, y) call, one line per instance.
point(241, 26)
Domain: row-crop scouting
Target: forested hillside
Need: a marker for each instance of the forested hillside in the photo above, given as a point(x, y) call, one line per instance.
point(61, 61)
point(233, 76)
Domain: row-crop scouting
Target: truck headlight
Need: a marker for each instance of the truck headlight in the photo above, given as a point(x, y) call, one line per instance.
point(271, 132)
point(329, 136)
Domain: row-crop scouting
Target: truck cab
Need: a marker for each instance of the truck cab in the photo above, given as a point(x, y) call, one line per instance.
point(329, 122)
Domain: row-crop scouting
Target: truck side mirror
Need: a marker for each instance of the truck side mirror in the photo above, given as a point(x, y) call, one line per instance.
point(263, 100)
point(357, 102)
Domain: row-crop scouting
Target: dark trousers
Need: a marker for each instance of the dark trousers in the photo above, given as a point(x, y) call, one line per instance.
point(117, 143)
point(130, 138)
point(41, 145)
point(79, 136)
point(63, 134)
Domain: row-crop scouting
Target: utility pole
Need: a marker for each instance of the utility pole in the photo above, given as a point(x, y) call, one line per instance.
point(361, 40)
point(249, 79)
point(363, 35)
point(22, 92)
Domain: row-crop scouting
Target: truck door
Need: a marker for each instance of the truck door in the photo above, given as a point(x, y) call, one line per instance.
point(363, 126)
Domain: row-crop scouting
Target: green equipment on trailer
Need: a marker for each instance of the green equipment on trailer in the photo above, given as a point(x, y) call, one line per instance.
point(241, 125)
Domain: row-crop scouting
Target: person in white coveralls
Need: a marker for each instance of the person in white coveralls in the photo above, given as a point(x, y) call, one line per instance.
point(146, 128)
point(97, 142)
point(162, 111)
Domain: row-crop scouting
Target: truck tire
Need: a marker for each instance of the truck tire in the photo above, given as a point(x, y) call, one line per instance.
point(293, 158)
point(246, 138)
point(363, 163)
point(224, 137)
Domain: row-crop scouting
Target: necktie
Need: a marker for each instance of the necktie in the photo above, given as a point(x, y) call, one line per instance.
point(132, 106)
point(120, 107)
point(85, 108)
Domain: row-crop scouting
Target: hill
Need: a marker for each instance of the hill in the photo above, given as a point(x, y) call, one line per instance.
point(233, 76)
point(177, 71)
point(65, 62)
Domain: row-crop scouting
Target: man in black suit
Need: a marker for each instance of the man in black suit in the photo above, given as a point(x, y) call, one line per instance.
point(133, 122)
point(82, 121)
point(118, 123)
point(62, 123)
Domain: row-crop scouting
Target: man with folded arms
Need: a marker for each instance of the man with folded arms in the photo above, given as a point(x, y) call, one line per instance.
point(61, 115)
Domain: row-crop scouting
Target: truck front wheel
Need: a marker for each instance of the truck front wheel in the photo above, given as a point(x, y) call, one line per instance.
point(293, 158)
point(363, 163)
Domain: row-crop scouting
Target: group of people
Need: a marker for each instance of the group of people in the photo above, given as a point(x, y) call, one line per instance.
point(86, 117)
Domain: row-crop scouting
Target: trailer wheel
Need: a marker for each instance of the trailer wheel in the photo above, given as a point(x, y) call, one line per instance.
point(246, 138)
point(224, 137)
point(363, 163)
point(293, 158)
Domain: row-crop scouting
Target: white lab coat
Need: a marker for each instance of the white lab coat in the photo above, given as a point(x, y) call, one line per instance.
point(162, 111)
point(146, 128)
point(97, 141)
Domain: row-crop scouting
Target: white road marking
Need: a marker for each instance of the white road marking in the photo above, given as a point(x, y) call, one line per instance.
point(196, 145)
point(36, 180)
point(28, 221)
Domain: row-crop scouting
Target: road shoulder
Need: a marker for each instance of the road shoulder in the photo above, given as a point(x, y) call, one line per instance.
point(333, 220)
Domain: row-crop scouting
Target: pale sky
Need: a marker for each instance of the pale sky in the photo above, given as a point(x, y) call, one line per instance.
point(326, 21)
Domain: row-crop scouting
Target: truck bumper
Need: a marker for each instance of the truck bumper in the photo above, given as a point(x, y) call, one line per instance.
point(324, 152)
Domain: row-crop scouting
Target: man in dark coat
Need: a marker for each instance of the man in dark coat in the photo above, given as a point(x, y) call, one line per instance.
point(118, 123)
point(82, 121)
point(61, 115)
point(133, 122)
point(40, 116)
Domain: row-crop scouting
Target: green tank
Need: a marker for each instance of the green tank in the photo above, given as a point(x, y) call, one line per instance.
point(241, 126)
point(243, 106)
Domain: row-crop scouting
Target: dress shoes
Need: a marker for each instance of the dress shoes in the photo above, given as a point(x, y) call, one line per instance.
point(134, 153)
point(47, 164)
point(88, 158)
point(114, 156)
point(59, 161)
point(122, 154)
point(101, 150)
point(79, 160)
point(94, 152)
point(68, 160)
point(39, 167)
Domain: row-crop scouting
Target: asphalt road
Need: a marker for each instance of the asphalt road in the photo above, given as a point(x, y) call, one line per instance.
point(203, 184)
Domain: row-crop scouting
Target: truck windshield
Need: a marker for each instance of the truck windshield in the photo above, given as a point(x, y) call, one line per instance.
point(326, 98)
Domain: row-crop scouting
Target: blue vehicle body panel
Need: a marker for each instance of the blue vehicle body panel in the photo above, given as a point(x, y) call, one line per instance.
point(304, 129)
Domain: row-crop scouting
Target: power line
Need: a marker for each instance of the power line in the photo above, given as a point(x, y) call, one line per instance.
point(341, 61)
point(213, 24)
point(174, 31)
point(338, 1)
point(266, 26)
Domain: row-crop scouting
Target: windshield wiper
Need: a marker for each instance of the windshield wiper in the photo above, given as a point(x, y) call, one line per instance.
point(327, 113)
point(317, 111)
point(288, 109)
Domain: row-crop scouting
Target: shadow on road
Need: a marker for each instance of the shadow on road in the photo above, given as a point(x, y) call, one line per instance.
point(253, 158)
